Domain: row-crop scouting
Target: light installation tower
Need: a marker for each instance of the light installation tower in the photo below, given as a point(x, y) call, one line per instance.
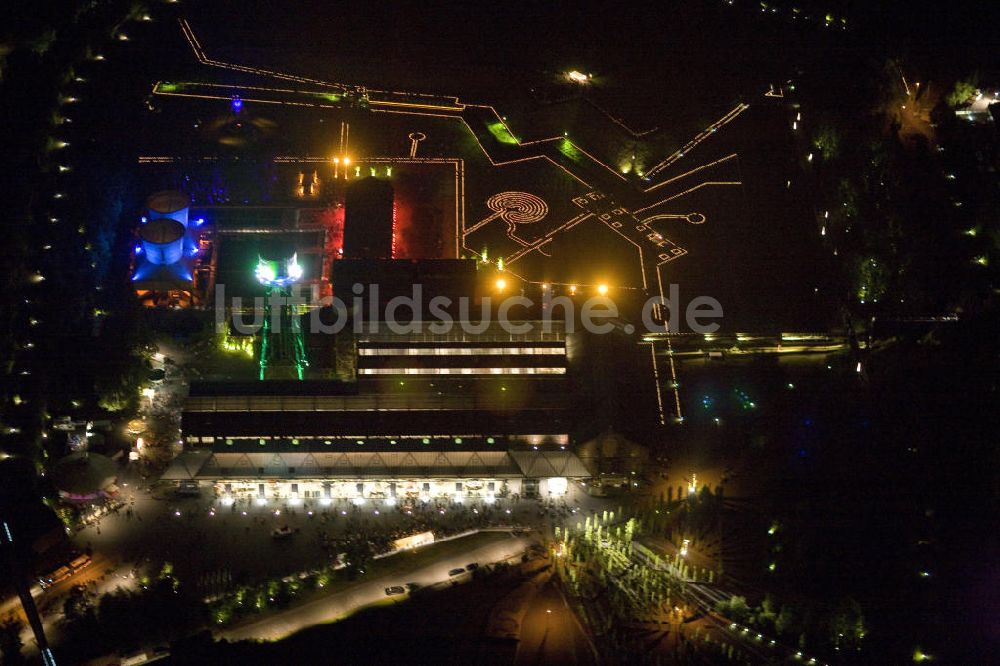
point(281, 341)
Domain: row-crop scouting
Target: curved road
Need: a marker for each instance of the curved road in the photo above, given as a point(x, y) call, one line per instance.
point(339, 604)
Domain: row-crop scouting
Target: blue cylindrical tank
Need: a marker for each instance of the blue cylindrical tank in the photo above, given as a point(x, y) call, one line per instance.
point(162, 240)
point(172, 204)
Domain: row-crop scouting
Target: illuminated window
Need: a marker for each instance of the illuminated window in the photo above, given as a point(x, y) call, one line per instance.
point(462, 351)
point(462, 371)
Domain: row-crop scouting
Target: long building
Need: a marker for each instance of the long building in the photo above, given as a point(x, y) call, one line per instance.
point(456, 415)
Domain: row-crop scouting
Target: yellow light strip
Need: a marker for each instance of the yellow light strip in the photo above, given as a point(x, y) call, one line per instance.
point(692, 171)
point(701, 136)
point(689, 191)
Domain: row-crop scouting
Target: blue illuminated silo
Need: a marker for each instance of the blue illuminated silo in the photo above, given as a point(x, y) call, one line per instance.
point(171, 204)
point(162, 240)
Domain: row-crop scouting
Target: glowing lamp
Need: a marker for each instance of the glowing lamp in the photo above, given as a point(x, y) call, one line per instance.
point(294, 268)
point(602, 289)
point(266, 271)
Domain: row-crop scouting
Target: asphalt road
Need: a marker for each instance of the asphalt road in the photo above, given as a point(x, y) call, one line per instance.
point(550, 633)
point(342, 603)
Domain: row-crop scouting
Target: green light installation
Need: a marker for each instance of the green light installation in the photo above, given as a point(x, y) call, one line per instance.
point(286, 344)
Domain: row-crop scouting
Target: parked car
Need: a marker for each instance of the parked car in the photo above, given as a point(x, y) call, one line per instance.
point(394, 590)
point(472, 567)
point(456, 572)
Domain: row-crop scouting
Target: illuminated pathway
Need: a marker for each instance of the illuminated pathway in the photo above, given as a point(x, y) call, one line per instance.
point(371, 590)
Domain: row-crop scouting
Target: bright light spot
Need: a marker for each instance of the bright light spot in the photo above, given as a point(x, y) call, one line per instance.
point(265, 271)
point(684, 547)
point(294, 269)
point(490, 498)
point(390, 501)
point(501, 284)
point(358, 501)
point(602, 289)
point(227, 500)
point(295, 501)
point(459, 498)
point(326, 501)
point(260, 501)
point(577, 77)
point(347, 161)
point(558, 485)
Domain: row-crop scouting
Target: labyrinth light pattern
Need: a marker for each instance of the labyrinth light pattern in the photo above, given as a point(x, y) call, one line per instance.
point(514, 208)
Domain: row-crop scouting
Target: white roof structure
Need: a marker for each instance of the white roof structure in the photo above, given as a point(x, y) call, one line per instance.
point(544, 464)
point(374, 464)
